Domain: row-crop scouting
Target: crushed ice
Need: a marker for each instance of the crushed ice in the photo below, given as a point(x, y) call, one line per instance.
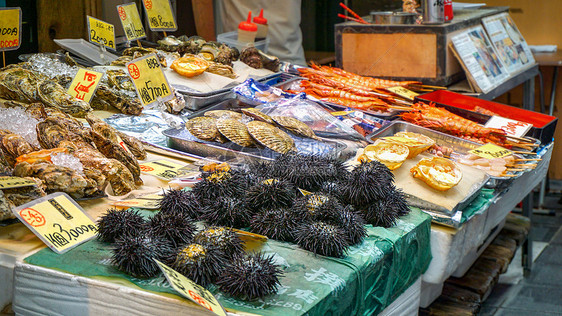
point(17, 121)
point(66, 160)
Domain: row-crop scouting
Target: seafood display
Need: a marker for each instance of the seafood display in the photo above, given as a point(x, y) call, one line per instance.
point(14, 197)
point(497, 167)
point(13, 145)
point(439, 173)
point(190, 66)
point(271, 136)
point(255, 58)
point(196, 45)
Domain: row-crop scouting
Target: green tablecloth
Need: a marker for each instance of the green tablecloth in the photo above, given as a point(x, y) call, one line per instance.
point(368, 279)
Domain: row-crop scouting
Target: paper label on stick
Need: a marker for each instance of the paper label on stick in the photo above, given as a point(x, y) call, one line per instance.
point(191, 290)
point(131, 21)
point(163, 168)
point(15, 182)
point(160, 15)
point(57, 220)
point(491, 151)
point(150, 202)
point(101, 32)
point(10, 28)
point(84, 84)
point(403, 92)
point(149, 80)
point(511, 127)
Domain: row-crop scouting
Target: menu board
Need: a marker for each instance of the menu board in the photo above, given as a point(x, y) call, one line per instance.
point(512, 48)
point(479, 59)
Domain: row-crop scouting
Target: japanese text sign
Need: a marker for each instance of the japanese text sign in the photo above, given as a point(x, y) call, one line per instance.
point(159, 14)
point(57, 220)
point(10, 28)
point(163, 169)
point(101, 32)
point(149, 80)
point(131, 21)
point(84, 84)
point(403, 92)
point(491, 151)
point(511, 127)
point(15, 182)
point(191, 290)
point(150, 202)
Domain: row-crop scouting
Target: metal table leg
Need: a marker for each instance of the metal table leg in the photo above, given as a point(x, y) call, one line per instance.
point(527, 246)
point(529, 94)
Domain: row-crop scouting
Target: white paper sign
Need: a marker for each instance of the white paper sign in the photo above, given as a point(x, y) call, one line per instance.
point(511, 127)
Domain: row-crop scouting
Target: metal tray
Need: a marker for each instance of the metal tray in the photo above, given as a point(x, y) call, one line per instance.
point(181, 139)
point(337, 107)
point(459, 145)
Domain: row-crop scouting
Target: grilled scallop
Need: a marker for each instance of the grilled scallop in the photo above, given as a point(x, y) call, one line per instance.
point(271, 136)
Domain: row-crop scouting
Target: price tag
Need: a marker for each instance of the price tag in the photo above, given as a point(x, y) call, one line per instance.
point(131, 21)
point(149, 80)
point(57, 220)
point(403, 92)
point(305, 192)
point(191, 290)
point(160, 16)
point(491, 151)
point(84, 84)
point(101, 32)
point(341, 113)
point(163, 169)
point(511, 127)
point(15, 182)
point(150, 202)
point(10, 28)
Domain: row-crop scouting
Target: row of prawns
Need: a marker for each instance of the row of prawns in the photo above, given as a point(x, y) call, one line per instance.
point(335, 85)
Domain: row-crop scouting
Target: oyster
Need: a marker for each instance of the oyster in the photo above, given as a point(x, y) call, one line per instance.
point(54, 130)
point(224, 114)
point(58, 178)
point(170, 43)
point(13, 146)
point(5, 168)
point(271, 136)
point(118, 79)
point(257, 115)
point(106, 97)
point(122, 60)
point(203, 127)
point(439, 173)
point(14, 197)
point(176, 104)
point(295, 126)
point(390, 154)
point(137, 52)
point(210, 51)
point(134, 145)
point(255, 58)
point(236, 132)
point(52, 94)
point(193, 45)
point(19, 85)
point(221, 70)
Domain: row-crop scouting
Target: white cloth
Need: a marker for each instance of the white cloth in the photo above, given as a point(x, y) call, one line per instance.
point(283, 19)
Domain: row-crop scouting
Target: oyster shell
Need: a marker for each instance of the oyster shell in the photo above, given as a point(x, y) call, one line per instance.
point(14, 197)
point(223, 114)
point(257, 115)
point(122, 60)
point(255, 58)
point(203, 127)
point(52, 94)
point(118, 79)
point(193, 45)
point(170, 43)
point(210, 51)
point(271, 136)
point(221, 70)
point(236, 132)
point(135, 146)
point(13, 146)
point(106, 97)
point(439, 173)
point(295, 126)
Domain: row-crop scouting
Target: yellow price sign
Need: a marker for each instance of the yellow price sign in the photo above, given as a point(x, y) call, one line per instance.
point(84, 84)
point(150, 202)
point(101, 32)
point(163, 168)
point(191, 290)
point(341, 113)
point(57, 220)
point(159, 14)
point(131, 21)
point(403, 92)
point(149, 80)
point(491, 151)
point(10, 28)
point(15, 182)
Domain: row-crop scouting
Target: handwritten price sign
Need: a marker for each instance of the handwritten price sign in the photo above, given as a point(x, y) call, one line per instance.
point(491, 151)
point(403, 92)
point(131, 21)
point(15, 182)
point(163, 169)
point(191, 290)
point(149, 80)
point(84, 84)
point(57, 220)
point(10, 28)
point(101, 32)
point(511, 127)
point(150, 202)
point(160, 16)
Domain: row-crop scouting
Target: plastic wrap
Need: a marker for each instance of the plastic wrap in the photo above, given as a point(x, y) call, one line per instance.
point(255, 93)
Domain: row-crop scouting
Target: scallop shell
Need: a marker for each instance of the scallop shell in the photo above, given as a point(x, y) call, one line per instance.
point(271, 136)
point(295, 126)
point(236, 132)
point(203, 127)
point(258, 115)
point(224, 114)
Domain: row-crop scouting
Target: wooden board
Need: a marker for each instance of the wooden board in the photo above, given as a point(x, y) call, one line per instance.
point(410, 55)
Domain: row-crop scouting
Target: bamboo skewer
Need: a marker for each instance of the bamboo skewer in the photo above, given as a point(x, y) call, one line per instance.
point(528, 159)
point(515, 169)
point(509, 175)
point(524, 152)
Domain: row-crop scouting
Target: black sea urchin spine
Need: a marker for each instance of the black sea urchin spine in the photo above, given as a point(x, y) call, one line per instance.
point(114, 223)
point(175, 201)
point(226, 211)
point(250, 277)
point(222, 238)
point(270, 193)
point(322, 238)
point(277, 223)
point(177, 228)
point(352, 224)
point(200, 264)
point(381, 213)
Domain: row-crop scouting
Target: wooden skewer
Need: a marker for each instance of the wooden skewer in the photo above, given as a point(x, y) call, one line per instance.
point(519, 139)
point(524, 152)
point(515, 169)
point(529, 159)
point(528, 166)
point(509, 175)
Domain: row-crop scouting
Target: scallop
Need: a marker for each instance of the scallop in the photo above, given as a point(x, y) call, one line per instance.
point(203, 127)
point(295, 126)
point(271, 136)
point(236, 132)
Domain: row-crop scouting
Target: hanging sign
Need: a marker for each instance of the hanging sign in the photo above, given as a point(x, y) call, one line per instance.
point(10, 28)
point(149, 80)
point(101, 32)
point(491, 151)
point(160, 16)
point(131, 21)
point(191, 290)
point(57, 220)
point(84, 84)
